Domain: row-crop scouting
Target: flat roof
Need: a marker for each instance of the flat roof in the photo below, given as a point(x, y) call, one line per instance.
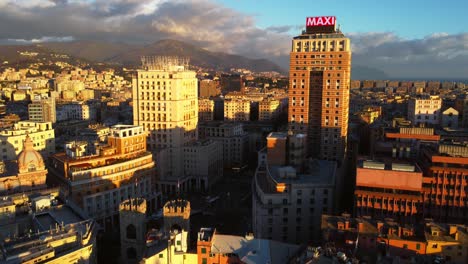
point(319, 172)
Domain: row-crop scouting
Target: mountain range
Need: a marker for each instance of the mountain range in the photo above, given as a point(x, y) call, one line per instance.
point(129, 55)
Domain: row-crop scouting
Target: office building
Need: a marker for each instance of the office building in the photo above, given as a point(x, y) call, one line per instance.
point(42, 110)
point(203, 163)
point(165, 104)
point(319, 81)
point(445, 181)
point(290, 192)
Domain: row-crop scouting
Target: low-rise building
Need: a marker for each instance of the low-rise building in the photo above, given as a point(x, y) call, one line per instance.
point(12, 138)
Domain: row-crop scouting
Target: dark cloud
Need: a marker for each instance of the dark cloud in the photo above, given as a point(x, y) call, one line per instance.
point(216, 27)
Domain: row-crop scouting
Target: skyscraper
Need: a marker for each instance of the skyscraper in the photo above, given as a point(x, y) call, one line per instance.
point(165, 103)
point(319, 80)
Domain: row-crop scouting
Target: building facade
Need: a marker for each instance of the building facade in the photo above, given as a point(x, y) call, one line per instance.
point(388, 189)
point(203, 163)
point(425, 110)
point(205, 110)
point(290, 193)
point(236, 110)
point(269, 109)
point(165, 104)
point(42, 110)
point(98, 182)
point(235, 141)
point(319, 80)
point(41, 133)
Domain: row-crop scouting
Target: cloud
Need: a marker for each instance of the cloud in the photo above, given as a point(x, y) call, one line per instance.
point(439, 55)
point(216, 27)
point(42, 39)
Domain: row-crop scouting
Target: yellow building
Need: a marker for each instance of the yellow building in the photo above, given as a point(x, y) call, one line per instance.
point(205, 109)
point(236, 110)
point(448, 241)
point(41, 133)
point(268, 109)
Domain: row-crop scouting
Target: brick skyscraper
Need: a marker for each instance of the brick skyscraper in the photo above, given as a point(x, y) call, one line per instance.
point(319, 80)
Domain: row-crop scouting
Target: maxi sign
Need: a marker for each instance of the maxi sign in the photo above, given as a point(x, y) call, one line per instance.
point(320, 21)
point(322, 24)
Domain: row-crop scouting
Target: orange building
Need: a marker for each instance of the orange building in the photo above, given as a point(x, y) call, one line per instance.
point(445, 182)
point(385, 189)
point(319, 83)
point(370, 237)
point(98, 178)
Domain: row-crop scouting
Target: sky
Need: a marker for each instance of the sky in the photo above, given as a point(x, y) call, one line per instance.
point(404, 39)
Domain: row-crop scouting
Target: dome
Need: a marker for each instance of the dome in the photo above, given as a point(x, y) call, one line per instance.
point(29, 159)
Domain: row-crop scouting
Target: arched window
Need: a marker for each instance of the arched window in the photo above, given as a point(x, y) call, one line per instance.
point(131, 232)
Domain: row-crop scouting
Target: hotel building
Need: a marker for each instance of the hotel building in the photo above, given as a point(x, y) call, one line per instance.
point(319, 80)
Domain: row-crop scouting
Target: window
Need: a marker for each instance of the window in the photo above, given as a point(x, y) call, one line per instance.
point(131, 232)
point(204, 261)
point(405, 246)
point(434, 245)
point(203, 250)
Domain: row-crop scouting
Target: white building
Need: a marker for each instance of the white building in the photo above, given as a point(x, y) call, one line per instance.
point(290, 195)
point(425, 110)
point(41, 133)
point(203, 163)
point(165, 103)
point(75, 111)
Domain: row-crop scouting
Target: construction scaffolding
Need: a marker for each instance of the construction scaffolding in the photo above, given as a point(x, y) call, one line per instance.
point(164, 62)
